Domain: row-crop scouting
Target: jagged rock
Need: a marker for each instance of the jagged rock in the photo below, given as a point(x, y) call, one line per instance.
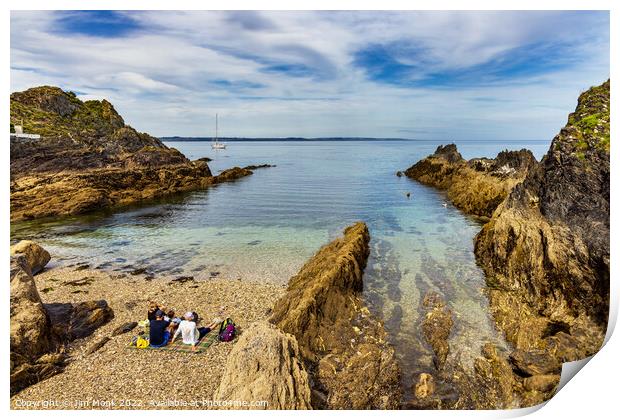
point(124, 328)
point(344, 347)
point(477, 186)
point(546, 250)
point(534, 362)
point(265, 365)
point(36, 256)
point(36, 335)
point(436, 326)
point(78, 320)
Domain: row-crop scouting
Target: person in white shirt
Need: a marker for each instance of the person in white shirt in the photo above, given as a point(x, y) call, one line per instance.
point(190, 332)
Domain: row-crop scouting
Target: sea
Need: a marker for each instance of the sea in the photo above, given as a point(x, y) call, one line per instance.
point(263, 228)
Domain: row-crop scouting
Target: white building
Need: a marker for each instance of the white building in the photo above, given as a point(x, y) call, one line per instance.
point(19, 134)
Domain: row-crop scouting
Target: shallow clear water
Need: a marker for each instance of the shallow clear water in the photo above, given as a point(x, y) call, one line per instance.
point(265, 226)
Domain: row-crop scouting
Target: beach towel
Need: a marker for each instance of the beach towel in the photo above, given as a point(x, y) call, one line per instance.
point(203, 344)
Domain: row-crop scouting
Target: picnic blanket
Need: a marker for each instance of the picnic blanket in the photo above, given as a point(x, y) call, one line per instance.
point(178, 345)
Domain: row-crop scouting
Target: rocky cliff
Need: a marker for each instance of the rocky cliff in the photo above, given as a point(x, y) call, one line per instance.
point(476, 186)
point(343, 346)
point(89, 159)
point(79, 135)
point(546, 249)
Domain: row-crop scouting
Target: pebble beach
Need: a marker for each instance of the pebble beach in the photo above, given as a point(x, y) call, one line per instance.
point(119, 377)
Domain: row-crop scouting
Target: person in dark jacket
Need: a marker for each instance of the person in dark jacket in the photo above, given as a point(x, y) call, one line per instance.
point(153, 308)
point(158, 330)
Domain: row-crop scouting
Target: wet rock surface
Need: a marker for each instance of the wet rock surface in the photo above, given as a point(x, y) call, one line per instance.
point(476, 186)
point(344, 348)
point(266, 365)
point(436, 327)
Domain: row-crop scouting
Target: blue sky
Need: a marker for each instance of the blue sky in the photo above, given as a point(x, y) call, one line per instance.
point(429, 75)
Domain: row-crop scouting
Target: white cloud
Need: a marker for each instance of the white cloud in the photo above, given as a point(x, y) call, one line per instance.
point(171, 76)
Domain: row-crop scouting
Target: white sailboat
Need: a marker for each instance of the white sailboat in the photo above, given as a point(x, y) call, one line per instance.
point(216, 143)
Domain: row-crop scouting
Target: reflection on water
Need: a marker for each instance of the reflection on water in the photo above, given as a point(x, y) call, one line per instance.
point(265, 226)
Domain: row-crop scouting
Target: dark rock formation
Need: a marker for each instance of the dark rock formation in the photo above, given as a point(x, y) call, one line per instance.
point(72, 321)
point(88, 159)
point(477, 186)
point(546, 249)
point(97, 345)
point(344, 347)
point(266, 365)
point(124, 328)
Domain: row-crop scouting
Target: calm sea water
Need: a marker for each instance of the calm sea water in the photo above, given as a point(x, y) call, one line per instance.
point(265, 226)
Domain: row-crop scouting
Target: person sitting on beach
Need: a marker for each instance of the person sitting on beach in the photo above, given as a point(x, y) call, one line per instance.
point(174, 322)
point(190, 332)
point(153, 308)
point(158, 330)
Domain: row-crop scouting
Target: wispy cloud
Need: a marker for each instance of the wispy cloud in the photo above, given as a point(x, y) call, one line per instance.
point(445, 75)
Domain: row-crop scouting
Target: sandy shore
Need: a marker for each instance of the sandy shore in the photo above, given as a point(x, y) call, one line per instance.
point(119, 377)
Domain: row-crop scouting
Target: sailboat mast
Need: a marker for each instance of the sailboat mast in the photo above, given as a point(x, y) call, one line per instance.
point(216, 127)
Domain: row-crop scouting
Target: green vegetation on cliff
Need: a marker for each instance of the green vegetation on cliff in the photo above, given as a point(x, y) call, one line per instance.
point(591, 119)
point(52, 112)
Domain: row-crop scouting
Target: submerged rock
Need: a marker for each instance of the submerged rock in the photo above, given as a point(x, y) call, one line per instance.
point(546, 250)
point(36, 257)
point(265, 365)
point(425, 387)
point(343, 346)
point(436, 327)
point(477, 186)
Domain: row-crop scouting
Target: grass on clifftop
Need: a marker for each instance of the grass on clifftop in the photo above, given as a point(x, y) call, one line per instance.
point(591, 117)
point(51, 112)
